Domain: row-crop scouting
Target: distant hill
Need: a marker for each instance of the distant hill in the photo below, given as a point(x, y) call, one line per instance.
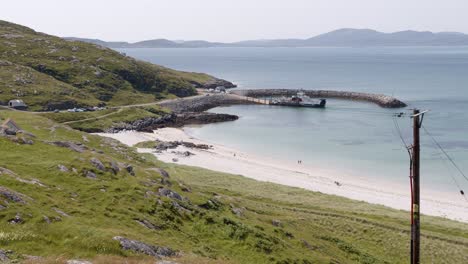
point(153, 43)
point(368, 37)
point(338, 38)
point(49, 73)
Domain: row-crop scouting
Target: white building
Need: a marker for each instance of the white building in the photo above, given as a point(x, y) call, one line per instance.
point(17, 104)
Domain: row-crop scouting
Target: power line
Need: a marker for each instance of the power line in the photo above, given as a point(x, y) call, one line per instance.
point(397, 126)
point(452, 162)
point(445, 153)
point(446, 164)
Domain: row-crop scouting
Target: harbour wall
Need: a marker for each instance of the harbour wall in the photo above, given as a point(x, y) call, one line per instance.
point(204, 102)
point(379, 99)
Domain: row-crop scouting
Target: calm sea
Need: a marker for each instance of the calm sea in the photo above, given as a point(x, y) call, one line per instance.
point(356, 138)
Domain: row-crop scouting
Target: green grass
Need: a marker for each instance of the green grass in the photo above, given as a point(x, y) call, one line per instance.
point(50, 73)
point(315, 228)
point(99, 121)
point(146, 144)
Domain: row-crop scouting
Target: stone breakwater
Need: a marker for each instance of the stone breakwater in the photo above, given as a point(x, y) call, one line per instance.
point(202, 102)
point(379, 99)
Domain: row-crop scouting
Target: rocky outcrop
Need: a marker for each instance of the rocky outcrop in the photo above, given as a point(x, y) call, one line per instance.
point(217, 83)
point(147, 249)
point(61, 105)
point(170, 194)
point(90, 175)
point(163, 172)
point(202, 102)
point(129, 169)
point(172, 120)
point(276, 223)
point(98, 164)
point(380, 99)
point(148, 224)
point(4, 255)
point(143, 124)
point(16, 220)
point(114, 167)
point(12, 196)
point(7, 172)
point(239, 212)
point(194, 118)
point(78, 147)
point(19, 137)
point(62, 168)
point(161, 146)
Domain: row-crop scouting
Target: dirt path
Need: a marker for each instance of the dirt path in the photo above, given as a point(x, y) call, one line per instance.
point(93, 118)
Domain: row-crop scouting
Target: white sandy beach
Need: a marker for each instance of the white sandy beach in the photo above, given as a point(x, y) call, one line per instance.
point(224, 159)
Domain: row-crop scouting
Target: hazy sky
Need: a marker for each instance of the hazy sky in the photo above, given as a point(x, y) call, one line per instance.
point(230, 20)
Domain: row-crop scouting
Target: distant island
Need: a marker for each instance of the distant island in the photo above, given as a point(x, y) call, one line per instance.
point(346, 37)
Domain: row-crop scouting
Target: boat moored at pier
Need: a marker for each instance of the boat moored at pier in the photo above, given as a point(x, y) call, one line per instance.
point(299, 100)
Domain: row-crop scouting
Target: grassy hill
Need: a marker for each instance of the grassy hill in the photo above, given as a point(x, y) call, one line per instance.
point(48, 72)
point(66, 195)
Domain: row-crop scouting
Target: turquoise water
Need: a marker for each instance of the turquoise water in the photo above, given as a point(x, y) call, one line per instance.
point(356, 138)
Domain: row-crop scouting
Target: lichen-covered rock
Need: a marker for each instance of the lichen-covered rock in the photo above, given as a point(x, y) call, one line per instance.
point(9, 132)
point(16, 220)
point(276, 223)
point(46, 219)
point(78, 147)
point(212, 204)
point(129, 169)
point(114, 167)
point(90, 175)
point(180, 208)
point(237, 211)
point(169, 193)
point(98, 164)
point(4, 256)
point(12, 196)
point(147, 249)
point(163, 172)
point(62, 168)
point(60, 212)
point(148, 224)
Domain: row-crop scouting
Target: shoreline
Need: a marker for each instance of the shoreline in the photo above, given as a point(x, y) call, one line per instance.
point(229, 160)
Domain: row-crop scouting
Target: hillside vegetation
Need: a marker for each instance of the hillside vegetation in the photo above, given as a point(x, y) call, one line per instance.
point(100, 121)
point(65, 194)
point(50, 73)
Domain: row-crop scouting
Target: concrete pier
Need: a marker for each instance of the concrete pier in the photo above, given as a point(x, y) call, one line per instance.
point(379, 99)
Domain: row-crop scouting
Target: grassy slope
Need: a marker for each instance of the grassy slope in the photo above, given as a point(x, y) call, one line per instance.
point(99, 121)
point(56, 71)
point(337, 230)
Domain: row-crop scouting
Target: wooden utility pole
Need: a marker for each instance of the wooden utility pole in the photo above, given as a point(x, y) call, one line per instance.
point(415, 209)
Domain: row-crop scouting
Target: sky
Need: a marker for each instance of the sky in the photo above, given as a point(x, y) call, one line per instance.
point(230, 20)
